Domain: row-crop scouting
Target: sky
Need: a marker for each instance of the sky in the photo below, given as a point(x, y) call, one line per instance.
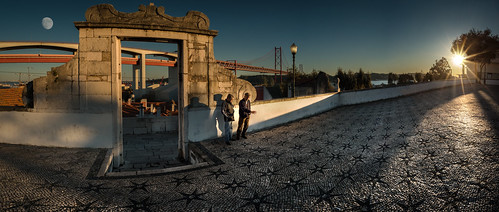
point(399, 36)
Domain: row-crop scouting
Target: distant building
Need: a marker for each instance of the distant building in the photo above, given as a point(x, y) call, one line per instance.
point(262, 93)
point(3, 86)
point(11, 98)
point(490, 74)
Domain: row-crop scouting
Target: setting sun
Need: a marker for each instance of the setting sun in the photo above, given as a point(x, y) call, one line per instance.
point(458, 59)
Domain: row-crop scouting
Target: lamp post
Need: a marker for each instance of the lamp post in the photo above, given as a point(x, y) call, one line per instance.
point(294, 49)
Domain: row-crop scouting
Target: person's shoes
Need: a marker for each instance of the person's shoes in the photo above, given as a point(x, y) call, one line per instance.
point(228, 143)
point(244, 137)
point(232, 139)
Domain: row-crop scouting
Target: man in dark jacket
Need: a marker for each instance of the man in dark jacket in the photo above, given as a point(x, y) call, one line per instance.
point(228, 113)
point(244, 116)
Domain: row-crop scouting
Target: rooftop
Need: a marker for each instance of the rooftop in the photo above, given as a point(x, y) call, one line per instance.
point(11, 97)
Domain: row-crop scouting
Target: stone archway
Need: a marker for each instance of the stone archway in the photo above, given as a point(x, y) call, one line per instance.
point(94, 75)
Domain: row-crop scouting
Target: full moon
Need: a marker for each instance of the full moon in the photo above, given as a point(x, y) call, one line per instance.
point(47, 23)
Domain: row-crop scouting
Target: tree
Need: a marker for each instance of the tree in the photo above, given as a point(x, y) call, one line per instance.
point(341, 76)
point(362, 80)
point(477, 46)
point(346, 79)
point(314, 73)
point(351, 80)
point(428, 77)
point(405, 79)
point(441, 69)
point(392, 78)
point(418, 77)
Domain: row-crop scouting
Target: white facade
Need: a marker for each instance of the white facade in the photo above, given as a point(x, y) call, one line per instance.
point(490, 72)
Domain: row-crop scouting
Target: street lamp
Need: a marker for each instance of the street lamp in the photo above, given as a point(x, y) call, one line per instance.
point(294, 49)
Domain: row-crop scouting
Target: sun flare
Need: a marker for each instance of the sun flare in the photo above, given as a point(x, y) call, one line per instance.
point(458, 59)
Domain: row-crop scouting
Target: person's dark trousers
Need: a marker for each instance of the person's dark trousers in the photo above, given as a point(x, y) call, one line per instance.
point(242, 126)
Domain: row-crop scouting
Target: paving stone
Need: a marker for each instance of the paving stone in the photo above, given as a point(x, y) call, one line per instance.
point(433, 151)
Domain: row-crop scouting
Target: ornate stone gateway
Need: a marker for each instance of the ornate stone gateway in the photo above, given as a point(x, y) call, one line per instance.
point(91, 81)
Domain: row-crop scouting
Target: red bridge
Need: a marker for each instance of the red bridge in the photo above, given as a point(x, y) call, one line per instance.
point(63, 58)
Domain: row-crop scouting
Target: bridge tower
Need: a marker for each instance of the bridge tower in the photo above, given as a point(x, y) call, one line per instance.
point(278, 62)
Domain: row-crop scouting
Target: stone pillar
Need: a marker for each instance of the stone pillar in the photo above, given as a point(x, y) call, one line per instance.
point(95, 70)
point(100, 82)
point(183, 100)
point(136, 69)
point(116, 100)
point(143, 71)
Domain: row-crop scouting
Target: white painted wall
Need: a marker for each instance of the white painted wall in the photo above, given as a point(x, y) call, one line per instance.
point(56, 129)
point(492, 82)
point(207, 123)
point(95, 130)
point(275, 112)
point(357, 97)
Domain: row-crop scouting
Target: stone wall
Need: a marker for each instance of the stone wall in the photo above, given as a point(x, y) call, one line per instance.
point(209, 82)
point(149, 125)
point(59, 90)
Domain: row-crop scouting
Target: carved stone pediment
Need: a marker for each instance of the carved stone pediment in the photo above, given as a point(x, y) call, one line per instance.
point(148, 17)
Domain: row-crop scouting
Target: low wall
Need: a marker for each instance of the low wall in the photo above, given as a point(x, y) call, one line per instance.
point(95, 130)
point(274, 112)
point(491, 82)
point(206, 123)
point(56, 129)
point(357, 97)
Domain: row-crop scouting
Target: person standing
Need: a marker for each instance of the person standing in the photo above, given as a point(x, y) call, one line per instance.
point(228, 112)
point(244, 116)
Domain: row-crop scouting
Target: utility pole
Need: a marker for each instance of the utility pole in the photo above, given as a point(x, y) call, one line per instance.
point(19, 73)
point(278, 60)
point(29, 75)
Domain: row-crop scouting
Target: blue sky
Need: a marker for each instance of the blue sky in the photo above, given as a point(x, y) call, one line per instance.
point(377, 36)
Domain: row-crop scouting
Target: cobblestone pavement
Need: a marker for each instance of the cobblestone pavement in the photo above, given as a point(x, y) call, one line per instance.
point(434, 151)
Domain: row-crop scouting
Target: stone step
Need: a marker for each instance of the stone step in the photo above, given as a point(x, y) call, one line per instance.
point(137, 153)
point(143, 160)
point(155, 142)
point(149, 166)
point(138, 149)
point(148, 151)
point(154, 157)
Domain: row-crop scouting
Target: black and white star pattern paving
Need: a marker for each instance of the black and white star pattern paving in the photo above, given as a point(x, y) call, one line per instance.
point(432, 151)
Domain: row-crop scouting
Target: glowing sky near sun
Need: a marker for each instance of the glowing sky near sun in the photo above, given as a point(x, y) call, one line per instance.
point(378, 36)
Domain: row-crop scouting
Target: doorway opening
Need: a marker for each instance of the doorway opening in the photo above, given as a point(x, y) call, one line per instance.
point(149, 104)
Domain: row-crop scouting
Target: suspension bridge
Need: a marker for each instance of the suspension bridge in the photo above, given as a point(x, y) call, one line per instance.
point(169, 61)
